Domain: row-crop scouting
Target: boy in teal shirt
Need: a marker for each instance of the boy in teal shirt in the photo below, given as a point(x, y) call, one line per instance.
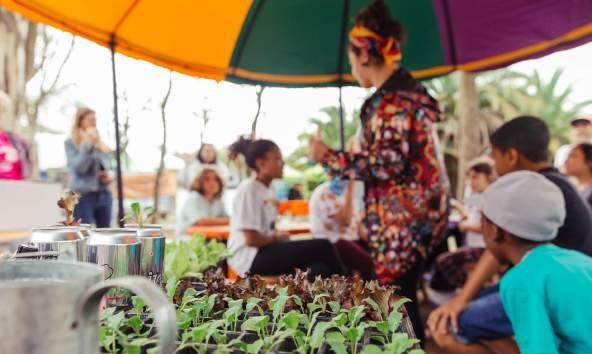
point(547, 294)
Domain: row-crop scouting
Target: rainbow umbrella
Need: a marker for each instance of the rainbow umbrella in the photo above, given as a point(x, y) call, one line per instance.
point(302, 42)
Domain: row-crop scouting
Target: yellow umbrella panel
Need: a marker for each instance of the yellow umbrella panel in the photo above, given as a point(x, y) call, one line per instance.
point(189, 36)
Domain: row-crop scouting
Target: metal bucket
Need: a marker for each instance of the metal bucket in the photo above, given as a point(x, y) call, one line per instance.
point(51, 307)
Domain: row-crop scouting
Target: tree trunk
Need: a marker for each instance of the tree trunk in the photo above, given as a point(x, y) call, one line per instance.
point(259, 93)
point(470, 143)
point(162, 149)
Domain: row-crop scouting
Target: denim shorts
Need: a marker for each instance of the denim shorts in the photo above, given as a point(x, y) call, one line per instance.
point(484, 319)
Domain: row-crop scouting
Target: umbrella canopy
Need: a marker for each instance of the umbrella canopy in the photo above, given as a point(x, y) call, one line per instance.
point(302, 42)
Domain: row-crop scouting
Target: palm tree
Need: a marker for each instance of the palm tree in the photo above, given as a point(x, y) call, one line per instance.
point(330, 133)
point(504, 94)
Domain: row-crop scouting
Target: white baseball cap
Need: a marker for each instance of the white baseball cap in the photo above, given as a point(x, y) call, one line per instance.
point(525, 204)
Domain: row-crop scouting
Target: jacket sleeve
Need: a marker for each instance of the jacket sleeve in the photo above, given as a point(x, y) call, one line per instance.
point(386, 156)
point(81, 159)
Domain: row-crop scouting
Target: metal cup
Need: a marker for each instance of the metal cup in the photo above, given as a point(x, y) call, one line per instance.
point(153, 244)
point(68, 243)
point(118, 252)
point(84, 228)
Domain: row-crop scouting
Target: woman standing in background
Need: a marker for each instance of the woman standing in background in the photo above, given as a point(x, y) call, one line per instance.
point(89, 161)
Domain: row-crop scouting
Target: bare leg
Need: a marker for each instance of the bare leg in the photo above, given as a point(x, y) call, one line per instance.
point(502, 346)
point(449, 343)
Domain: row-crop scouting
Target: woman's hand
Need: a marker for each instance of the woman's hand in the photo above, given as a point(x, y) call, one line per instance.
point(89, 136)
point(104, 177)
point(317, 149)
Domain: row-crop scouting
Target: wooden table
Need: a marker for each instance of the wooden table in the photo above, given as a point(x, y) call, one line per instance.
point(221, 232)
point(14, 235)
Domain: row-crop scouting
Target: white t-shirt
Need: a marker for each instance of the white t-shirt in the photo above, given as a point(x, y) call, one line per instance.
point(561, 155)
point(254, 208)
point(473, 205)
point(324, 204)
point(197, 207)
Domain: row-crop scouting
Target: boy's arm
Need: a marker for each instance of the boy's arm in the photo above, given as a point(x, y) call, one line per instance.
point(484, 270)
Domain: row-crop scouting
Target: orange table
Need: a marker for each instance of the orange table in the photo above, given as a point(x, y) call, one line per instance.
point(221, 232)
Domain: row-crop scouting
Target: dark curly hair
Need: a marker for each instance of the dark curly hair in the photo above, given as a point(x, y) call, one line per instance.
point(586, 149)
point(252, 150)
point(377, 18)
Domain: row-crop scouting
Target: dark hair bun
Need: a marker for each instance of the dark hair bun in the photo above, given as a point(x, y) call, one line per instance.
point(252, 150)
point(377, 17)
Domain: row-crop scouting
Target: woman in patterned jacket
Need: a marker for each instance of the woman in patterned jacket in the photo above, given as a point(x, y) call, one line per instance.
point(406, 194)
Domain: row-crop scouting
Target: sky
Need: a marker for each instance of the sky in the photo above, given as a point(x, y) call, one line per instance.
point(285, 112)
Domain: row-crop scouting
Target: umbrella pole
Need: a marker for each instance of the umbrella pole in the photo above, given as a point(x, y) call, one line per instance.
point(117, 137)
point(340, 54)
point(341, 121)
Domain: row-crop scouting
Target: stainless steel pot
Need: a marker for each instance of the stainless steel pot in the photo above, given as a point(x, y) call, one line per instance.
point(118, 252)
point(67, 242)
point(152, 242)
point(51, 307)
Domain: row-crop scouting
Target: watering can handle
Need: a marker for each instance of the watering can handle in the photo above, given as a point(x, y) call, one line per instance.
point(156, 300)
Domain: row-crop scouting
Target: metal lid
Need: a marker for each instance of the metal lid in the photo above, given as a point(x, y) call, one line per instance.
point(145, 226)
point(56, 234)
point(112, 237)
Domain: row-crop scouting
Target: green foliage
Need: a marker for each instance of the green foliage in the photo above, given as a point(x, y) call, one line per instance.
point(312, 323)
point(329, 124)
point(507, 93)
point(139, 215)
point(190, 259)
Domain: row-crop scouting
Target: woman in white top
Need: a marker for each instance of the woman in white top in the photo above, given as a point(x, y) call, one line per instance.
point(255, 244)
point(204, 206)
point(207, 157)
point(335, 216)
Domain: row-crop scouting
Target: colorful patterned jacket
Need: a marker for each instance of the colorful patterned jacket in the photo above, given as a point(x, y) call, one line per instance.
point(406, 189)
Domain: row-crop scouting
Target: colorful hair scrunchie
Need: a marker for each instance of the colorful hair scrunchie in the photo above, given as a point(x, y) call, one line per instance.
point(389, 48)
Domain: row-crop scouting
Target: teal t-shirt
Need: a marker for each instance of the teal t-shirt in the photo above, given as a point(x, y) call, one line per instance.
point(548, 298)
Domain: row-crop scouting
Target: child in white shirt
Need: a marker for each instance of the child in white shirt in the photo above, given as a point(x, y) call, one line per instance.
point(255, 245)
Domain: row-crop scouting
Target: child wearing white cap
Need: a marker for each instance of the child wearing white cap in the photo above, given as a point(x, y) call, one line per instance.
point(475, 320)
point(547, 293)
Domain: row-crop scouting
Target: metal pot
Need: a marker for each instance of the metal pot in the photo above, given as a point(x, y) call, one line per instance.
point(153, 244)
point(51, 307)
point(84, 228)
point(68, 242)
point(116, 250)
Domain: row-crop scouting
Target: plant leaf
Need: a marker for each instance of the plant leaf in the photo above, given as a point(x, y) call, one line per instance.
point(318, 334)
point(335, 306)
point(199, 333)
point(135, 323)
point(291, 320)
point(255, 324)
point(372, 349)
point(136, 208)
point(255, 347)
point(383, 327)
point(138, 304)
point(336, 341)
